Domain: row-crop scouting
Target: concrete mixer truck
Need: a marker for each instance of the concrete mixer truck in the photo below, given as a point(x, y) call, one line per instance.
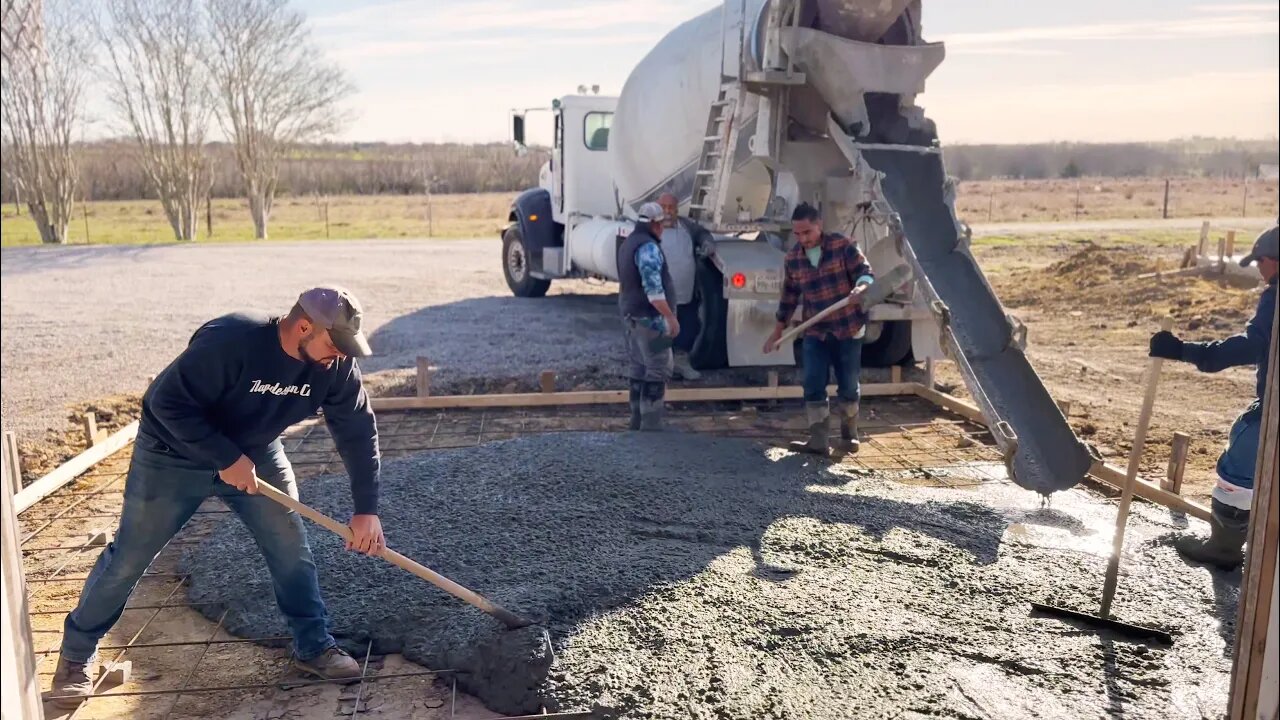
point(729, 112)
point(742, 113)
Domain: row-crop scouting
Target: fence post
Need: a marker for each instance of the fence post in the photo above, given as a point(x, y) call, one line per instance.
point(1165, 213)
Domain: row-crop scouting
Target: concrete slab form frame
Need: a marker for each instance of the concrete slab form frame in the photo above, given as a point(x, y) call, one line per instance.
point(61, 512)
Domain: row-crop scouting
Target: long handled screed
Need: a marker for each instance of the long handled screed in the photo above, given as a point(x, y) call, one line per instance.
point(509, 618)
point(1122, 521)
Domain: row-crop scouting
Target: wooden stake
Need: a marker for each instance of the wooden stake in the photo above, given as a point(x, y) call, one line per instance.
point(20, 695)
point(90, 429)
point(424, 377)
point(930, 374)
point(1203, 247)
point(895, 374)
point(1230, 248)
point(1126, 496)
point(12, 461)
point(547, 380)
point(1253, 692)
point(1177, 463)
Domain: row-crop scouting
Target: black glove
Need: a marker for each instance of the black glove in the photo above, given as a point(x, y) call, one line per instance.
point(1165, 344)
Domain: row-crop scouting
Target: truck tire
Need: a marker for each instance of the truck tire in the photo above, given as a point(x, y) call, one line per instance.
point(515, 266)
point(893, 347)
point(710, 349)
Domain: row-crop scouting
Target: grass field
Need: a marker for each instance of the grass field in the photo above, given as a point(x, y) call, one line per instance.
point(292, 218)
point(479, 215)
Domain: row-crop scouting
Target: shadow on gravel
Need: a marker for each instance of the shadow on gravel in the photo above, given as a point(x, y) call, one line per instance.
point(500, 335)
point(42, 258)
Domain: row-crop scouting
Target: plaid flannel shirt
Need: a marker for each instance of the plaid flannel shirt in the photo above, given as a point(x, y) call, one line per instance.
point(841, 269)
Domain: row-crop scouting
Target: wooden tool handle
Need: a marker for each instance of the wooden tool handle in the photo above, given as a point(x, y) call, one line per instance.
point(506, 616)
point(874, 295)
point(1131, 477)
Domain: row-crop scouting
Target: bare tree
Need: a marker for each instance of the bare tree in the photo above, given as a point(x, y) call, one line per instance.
point(46, 59)
point(275, 90)
point(159, 84)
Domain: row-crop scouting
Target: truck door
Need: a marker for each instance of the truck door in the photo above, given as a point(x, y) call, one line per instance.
point(558, 170)
point(583, 136)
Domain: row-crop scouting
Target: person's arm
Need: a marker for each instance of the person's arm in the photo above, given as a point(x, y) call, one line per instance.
point(350, 419)
point(183, 394)
point(1248, 348)
point(703, 244)
point(649, 261)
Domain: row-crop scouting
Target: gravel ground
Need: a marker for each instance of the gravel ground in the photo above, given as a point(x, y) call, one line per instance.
point(687, 576)
point(84, 323)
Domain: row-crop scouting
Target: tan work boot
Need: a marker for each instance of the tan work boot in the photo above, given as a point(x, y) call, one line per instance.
point(74, 680)
point(848, 412)
point(816, 415)
point(682, 367)
point(332, 664)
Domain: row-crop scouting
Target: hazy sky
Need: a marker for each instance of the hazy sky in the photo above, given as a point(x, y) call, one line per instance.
point(1016, 70)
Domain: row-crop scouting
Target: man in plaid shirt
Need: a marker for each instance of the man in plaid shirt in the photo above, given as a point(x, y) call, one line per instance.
point(820, 269)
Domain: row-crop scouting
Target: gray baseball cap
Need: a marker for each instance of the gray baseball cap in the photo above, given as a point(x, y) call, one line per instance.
point(1266, 246)
point(651, 212)
point(337, 310)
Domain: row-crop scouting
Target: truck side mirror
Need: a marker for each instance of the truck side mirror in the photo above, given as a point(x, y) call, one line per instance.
point(517, 129)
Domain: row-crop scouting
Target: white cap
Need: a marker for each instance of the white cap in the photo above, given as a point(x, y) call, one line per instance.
point(651, 212)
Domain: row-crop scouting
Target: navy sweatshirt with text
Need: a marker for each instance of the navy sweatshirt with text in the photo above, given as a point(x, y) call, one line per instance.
point(234, 388)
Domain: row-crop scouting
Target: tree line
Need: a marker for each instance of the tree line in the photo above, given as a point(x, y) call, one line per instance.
point(171, 70)
point(1212, 157)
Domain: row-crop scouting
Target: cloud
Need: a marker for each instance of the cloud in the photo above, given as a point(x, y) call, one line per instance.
point(1199, 28)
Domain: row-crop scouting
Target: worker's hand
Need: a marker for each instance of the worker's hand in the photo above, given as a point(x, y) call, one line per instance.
point(1165, 344)
point(240, 475)
point(705, 250)
point(855, 296)
point(673, 326)
point(771, 344)
point(367, 537)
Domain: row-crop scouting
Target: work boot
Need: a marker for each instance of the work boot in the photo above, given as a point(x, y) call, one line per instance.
point(683, 368)
point(816, 414)
point(652, 407)
point(73, 679)
point(637, 388)
point(1224, 548)
point(332, 664)
point(848, 412)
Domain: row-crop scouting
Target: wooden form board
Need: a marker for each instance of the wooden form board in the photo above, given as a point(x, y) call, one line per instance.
point(612, 397)
point(1252, 696)
point(74, 467)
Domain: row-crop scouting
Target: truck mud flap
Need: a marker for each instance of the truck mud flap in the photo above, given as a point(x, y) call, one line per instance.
point(1042, 452)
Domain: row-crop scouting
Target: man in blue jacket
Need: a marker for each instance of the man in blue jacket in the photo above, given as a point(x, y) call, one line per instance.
point(1233, 496)
point(211, 425)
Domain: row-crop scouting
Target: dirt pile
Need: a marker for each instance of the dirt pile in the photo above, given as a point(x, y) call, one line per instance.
point(686, 576)
point(1115, 284)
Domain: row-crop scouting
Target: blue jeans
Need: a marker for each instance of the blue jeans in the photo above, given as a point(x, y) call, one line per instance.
point(162, 491)
point(823, 355)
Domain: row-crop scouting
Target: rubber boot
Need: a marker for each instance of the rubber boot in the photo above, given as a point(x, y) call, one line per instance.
point(848, 412)
point(683, 367)
point(637, 389)
point(652, 407)
point(1224, 548)
point(816, 413)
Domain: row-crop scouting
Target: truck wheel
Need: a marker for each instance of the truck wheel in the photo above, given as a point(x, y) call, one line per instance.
point(515, 266)
point(710, 349)
point(893, 347)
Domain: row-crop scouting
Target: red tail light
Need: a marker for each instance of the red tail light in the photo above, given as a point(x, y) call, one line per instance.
point(738, 280)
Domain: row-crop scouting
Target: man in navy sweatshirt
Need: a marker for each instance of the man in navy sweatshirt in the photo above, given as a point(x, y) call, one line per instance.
point(1233, 496)
point(211, 425)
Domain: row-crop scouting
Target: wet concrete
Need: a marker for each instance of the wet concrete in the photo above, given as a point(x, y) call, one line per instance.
point(1049, 457)
point(686, 576)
